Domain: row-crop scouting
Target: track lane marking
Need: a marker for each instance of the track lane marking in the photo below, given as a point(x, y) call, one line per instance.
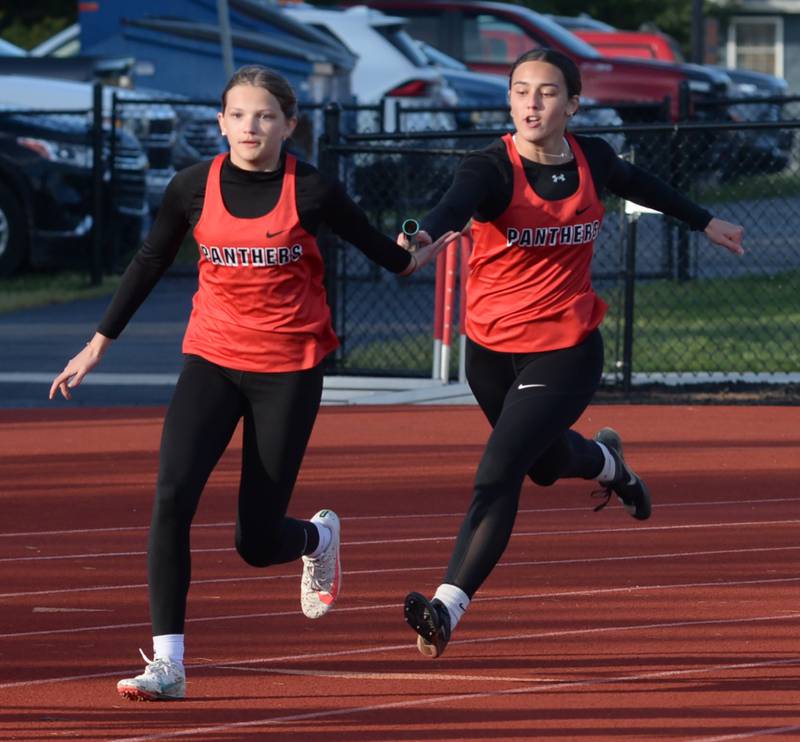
point(395, 570)
point(593, 592)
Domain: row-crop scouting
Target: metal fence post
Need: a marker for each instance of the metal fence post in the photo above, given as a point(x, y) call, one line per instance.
point(111, 258)
point(682, 181)
point(96, 260)
point(628, 303)
point(329, 164)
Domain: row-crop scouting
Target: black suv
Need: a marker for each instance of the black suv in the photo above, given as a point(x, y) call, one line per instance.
point(46, 193)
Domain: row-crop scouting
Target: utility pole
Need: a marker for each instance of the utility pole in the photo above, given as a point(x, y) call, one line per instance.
point(225, 37)
point(698, 32)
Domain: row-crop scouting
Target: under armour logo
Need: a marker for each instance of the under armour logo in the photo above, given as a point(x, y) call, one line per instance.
point(559, 178)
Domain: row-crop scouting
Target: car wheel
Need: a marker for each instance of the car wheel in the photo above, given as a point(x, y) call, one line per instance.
point(13, 237)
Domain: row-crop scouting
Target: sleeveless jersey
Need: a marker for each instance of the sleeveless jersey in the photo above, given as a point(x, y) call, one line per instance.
point(529, 287)
point(260, 303)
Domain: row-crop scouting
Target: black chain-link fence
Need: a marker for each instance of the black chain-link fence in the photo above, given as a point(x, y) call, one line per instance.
point(683, 312)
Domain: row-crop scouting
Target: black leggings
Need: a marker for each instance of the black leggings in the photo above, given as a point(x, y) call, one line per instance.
point(279, 410)
point(531, 400)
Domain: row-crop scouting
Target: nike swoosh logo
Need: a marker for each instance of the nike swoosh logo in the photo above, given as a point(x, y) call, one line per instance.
point(578, 212)
point(275, 234)
point(529, 386)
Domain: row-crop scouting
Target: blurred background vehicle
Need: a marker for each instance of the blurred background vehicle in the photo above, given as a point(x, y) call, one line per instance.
point(389, 65)
point(47, 194)
point(488, 36)
point(152, 124)
point(755, 150)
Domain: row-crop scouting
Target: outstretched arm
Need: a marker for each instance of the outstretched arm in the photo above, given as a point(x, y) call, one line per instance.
point(635, 184)
point(144, 271)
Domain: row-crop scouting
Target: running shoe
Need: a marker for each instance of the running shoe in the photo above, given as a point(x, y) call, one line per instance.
point(162, 680)
point(431, 620)
point(322, 575)
point(628, 486)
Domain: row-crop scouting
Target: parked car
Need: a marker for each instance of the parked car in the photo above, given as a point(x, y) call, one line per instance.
point(152, 124)
point(755, 150)
point(493, 94)
point(389, 65)
point(488, 36)
point(196, 132)
point(46, 191)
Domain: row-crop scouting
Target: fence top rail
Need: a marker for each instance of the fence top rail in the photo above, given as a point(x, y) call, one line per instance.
point(747, 100)
point(628, 128)
point(125, 101)
point(45, 111)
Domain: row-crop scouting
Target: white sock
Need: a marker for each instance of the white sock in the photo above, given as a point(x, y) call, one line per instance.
point(454, 599)
point(609, 470)
point(168, 647)
point(325, 537)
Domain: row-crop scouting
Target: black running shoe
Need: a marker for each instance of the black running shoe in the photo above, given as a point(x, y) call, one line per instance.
point(431, 620)
point(628, 486)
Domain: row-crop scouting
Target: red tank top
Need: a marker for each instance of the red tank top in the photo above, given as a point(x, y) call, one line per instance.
point(529, 287)
point(260, 304)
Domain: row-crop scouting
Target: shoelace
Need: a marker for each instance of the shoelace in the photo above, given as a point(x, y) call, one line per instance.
point(320, 573)
point(605, 492)
point(154, 667)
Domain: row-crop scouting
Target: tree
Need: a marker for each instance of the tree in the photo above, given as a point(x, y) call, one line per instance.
point(28, 23)
point(673, 17)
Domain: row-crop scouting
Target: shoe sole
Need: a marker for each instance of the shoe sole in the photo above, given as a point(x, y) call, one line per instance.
point(136, 694)
point(418, 616)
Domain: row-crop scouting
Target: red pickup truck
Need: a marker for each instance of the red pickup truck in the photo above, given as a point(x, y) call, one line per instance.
point(489, 36)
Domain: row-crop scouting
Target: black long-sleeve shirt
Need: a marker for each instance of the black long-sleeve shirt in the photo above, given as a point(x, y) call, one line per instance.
point(483, 186)
point(247, 195)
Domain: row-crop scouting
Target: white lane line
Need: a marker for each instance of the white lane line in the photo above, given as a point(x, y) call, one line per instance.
point(46, 609)
point(100, 555)
point(94, 379)
point(450, 699)
point(409, 646)
point(402, 570)
point(591, 593)
point(405, 516)
point(633, 529)
point(748, 735)
point(391, 676)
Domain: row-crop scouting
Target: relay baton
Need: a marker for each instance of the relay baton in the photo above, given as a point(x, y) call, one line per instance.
point(410, 229)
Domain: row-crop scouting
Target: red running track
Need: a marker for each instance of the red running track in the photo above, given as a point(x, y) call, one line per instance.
point(593, 627)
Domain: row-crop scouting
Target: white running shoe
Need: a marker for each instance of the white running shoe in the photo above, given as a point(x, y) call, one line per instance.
point(161, 680)
point(322, 576)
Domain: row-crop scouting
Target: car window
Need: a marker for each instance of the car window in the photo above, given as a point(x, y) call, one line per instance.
point(488, 38)
point(401, 41)
point(328, 32)
point(424, 26)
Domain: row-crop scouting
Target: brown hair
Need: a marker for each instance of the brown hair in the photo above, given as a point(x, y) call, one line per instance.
point(262, 77)
point(572, 75)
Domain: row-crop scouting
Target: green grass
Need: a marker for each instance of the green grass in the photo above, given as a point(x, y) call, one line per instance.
point(38, 289)
point(755, 188)
point(732, 325)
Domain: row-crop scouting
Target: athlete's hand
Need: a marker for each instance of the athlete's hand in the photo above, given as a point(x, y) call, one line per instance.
point(426, 250)
point(77, 367)
point(726, 235)
point(421, 239)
